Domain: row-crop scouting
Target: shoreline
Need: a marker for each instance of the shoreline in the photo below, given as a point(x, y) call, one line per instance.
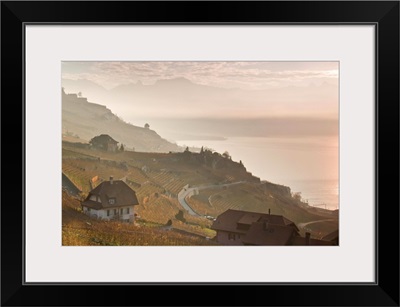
point(320, 193)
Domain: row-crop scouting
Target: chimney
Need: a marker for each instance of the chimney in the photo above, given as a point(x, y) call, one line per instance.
point(111, 179)
point(269, 211)
point(308, 238)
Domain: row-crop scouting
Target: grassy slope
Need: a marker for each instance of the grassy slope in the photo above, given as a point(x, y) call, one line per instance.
point(78, 229)
point(157, 178)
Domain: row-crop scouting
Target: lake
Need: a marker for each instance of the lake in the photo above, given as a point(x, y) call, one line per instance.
point(306, 165)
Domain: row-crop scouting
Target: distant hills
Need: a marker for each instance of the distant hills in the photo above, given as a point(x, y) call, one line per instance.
point(184, 98)
point(85, 120)
point(179, 109)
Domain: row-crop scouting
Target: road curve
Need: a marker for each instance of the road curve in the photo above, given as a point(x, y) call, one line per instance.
point(303, 225)
point(186, 191)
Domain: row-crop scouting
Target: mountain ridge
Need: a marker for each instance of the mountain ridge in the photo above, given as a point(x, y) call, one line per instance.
point(180, 97)
point(86, 120)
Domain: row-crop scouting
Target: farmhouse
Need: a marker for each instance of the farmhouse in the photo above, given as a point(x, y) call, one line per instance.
point(236, 227)
point(112, 199)
point(104, 142)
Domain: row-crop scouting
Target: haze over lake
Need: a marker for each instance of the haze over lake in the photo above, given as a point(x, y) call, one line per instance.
point(279, 118)
point(311, 172)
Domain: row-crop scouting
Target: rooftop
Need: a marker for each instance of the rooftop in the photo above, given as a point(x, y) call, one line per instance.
point(261, 233)
point(109, 194)
point(231, 219)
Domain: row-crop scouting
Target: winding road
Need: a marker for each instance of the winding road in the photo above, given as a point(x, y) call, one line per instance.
point(303, 225)
point(186, 191)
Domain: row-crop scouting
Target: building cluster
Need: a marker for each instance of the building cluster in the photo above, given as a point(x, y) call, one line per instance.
point(114, 199)
point(236, 227)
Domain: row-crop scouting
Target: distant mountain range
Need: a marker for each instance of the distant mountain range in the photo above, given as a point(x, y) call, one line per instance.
point(86, 120)
point(180, 109)
point(182, 98)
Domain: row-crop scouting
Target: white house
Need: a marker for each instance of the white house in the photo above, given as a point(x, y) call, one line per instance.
point(112, 199)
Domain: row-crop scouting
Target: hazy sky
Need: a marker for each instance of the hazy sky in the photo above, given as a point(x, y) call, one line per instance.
point(244, 75)
point(188, 101)
point(215, 89)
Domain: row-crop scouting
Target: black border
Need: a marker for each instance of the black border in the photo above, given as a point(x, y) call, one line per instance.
point(383, 14)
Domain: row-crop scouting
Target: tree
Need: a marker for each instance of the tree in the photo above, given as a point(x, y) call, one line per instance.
point(147, 126)
point(226, 155)
point(296, 196)
point(179, 216)
point(202, 150)
point(122, 148)
point(187, 149)
point(80, 94)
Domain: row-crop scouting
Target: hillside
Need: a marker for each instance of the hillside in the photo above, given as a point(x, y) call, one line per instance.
point(179, 109)
point(80, 230)
point(218, 184)
point(86, 120)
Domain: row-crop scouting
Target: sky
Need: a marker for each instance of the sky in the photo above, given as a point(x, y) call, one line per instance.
point(244, 75)
point(212, 89)
point(297, 102)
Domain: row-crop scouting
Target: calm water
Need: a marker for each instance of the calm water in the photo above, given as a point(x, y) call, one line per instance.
point(317, 192)
point(306, 165)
